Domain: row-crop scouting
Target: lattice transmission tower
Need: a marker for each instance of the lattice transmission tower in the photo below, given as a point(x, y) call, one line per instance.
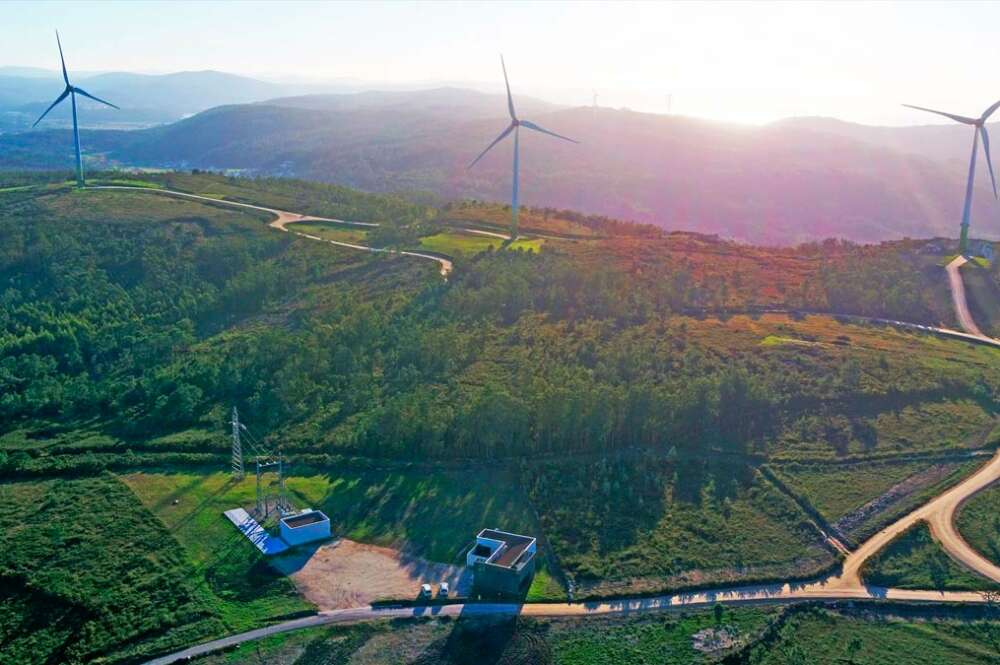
point(237, 463)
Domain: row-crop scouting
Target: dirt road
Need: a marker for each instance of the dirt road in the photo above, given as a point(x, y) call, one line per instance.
point(283, 217)
point(958, 297)
point(939, 513)
point(845, 586)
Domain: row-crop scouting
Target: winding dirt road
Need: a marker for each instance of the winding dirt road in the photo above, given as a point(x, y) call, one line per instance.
point(846, 585)
point(283, 217)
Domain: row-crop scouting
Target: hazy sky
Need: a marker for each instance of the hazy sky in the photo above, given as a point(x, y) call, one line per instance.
point(745, 62)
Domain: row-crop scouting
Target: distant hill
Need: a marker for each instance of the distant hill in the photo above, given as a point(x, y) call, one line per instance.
point(945, 142)
point(447, 101)
point(793, 181)
point(144, 99)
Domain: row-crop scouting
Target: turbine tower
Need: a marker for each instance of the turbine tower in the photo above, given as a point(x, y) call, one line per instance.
point(72, 91)
point(515, 126)
point(979, 129)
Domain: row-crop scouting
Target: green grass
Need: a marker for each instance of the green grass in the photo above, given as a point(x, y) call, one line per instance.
point(649, 640)
point(87, 575)
point(432, 514)
point(458, 244)
point(980, 261)
point(527, 244)
point(660, 639)
point(914, 560)
point(330, 231)
point(648, 525)
point(836, 491)
point(435, 514)
point(871, 430)
point(979, 523)
point(544, 587)
point(126, 182)
point(775, 340)
point(314, 646)
point(246, 590)
point(822, 637)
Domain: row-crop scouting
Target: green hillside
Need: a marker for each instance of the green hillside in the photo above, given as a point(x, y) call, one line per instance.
point(607, 388)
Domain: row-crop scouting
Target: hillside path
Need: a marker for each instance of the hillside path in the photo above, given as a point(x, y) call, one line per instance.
point(962, 312)
point(283, 217)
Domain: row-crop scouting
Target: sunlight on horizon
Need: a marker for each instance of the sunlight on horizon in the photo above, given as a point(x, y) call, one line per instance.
point(736, 62)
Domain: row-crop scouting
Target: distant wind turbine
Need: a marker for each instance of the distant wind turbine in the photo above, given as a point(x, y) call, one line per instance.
point(515, 126)
point(980, 130)
point(72, 91)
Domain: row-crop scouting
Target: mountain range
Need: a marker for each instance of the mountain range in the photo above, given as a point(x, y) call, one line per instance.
point(795, 180)
point(145, 99)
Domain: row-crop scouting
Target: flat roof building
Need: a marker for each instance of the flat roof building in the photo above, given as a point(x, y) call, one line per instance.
point(503, 563)
point(304, 527)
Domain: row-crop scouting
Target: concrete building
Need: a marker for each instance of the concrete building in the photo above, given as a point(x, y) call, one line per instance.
point(305, 527)
point(502, 563)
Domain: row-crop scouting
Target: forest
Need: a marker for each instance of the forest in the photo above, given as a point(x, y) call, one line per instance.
point(148, 316)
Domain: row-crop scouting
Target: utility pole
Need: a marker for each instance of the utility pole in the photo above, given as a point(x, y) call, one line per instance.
point(237, 463)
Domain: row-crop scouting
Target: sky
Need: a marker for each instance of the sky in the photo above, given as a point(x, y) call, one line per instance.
point(745, 62)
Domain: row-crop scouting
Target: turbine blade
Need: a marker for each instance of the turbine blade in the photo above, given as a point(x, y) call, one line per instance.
point(988, 112)
point(989, 160)
point(510, 100)
point(61, 97)
point(957, 118)
point(62, 59)
point(502, 136)
point(81, 91)
point(531, 125)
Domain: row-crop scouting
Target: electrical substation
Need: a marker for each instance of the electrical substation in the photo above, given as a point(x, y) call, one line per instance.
point(296, 527)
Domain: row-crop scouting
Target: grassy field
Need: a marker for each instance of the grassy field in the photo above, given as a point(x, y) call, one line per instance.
point(979, 523)
point(913, 560)
point(458, 244)
point(648, 524)
point(497, 218)
point(247, 590)
point(823, 637)
point(926, 425)
point(651, 639)
point(87, 575)
point(432, 515)
point(330, 231)
point(840, 491)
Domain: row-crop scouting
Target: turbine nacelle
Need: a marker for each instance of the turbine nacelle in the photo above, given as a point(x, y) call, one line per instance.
point(515, 122)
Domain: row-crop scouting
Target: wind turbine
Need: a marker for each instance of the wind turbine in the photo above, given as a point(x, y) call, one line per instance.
point(515, 126)
point(72, 91)
point(979, 125)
